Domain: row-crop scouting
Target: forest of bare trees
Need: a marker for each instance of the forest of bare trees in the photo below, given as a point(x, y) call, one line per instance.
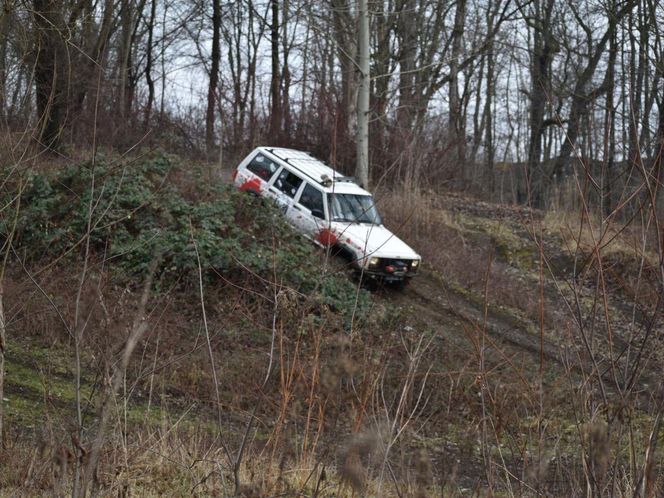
point(508, 97)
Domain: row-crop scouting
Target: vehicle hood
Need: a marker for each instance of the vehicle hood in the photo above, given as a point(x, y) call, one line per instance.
point(374, 240)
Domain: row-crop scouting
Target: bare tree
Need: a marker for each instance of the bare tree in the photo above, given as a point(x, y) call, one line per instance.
point(582, 94)
point(345, 38)
point(51, 72)
point(214, 77)
point(150, 62)
point(544, 47)
point(130, 19)
point(456, 123)
point(243, 35)
point(285, 69)
point(362, 167)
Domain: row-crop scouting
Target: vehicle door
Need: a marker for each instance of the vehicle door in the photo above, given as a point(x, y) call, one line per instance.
point(284, 188)
point(307, 213)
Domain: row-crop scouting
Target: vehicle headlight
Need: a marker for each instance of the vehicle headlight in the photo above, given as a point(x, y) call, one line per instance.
point(414, 264)
point(374, 262)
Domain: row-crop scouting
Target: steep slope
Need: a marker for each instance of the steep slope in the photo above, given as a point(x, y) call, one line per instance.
point(265, 369)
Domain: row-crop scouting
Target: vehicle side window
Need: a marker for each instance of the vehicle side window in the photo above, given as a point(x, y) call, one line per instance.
point(288, 183)
point(263, 167)
point(312, 198)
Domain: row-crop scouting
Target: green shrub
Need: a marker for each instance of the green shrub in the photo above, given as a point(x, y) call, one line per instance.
point(140, 210)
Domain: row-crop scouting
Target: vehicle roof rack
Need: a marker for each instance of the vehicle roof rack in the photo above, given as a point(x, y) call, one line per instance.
point(311, 167)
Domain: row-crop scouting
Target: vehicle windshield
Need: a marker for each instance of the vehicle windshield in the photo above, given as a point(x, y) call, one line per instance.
point(353, 208)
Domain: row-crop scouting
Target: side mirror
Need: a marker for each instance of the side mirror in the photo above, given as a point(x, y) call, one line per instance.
point(318, 213)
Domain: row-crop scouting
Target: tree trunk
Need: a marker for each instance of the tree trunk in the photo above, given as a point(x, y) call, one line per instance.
point(285, 74)
point(50, 74)
point(658, 170)
point(346, 52)
point(362, 167)
point(130, 20)
point(125, 57)
point(540, 86)
point(304, 108)
point(275, 83)
point(250, 87)
point(149, 63)
point(380, 86)
point(407, 34)
point(214, 78)
point(4, 32)
point(489, 177)
point(455, 123)
point(88, 67)
point(610, 129)
point(637, 74)
point(235, 66)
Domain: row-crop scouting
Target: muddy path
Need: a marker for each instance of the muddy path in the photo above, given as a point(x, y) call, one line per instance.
point(433, 304)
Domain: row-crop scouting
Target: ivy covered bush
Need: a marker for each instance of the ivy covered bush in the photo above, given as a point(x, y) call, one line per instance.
point(141, 210)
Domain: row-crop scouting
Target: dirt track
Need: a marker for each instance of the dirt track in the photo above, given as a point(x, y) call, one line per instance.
point(436, 304)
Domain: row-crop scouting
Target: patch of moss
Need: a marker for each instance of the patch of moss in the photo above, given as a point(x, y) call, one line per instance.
point(32, 387)
point(40, 381)
point(22, 411)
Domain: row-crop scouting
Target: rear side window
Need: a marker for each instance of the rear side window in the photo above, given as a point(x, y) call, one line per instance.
point(263, 167)
point(312, 198)
point(288, 183)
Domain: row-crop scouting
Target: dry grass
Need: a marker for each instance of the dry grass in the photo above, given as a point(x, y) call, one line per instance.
point(584, 234)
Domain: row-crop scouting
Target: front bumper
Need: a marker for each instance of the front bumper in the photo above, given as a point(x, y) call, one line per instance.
point(390, 269)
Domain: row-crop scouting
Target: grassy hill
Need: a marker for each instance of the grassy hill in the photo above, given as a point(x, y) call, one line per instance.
point(167, 335)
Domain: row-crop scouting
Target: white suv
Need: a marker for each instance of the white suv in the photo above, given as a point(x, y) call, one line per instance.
point(328, 208)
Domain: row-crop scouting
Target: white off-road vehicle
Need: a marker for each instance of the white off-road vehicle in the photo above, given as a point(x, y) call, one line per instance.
point(328, 208)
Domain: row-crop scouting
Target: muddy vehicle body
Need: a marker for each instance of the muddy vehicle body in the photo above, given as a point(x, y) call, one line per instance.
point(328, 208)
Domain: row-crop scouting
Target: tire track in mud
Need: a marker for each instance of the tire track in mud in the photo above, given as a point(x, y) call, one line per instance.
point(443, 308)
point(439, 306)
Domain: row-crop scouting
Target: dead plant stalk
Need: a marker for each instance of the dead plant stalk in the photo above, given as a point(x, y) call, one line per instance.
point(399, 421)
point(117, 380)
